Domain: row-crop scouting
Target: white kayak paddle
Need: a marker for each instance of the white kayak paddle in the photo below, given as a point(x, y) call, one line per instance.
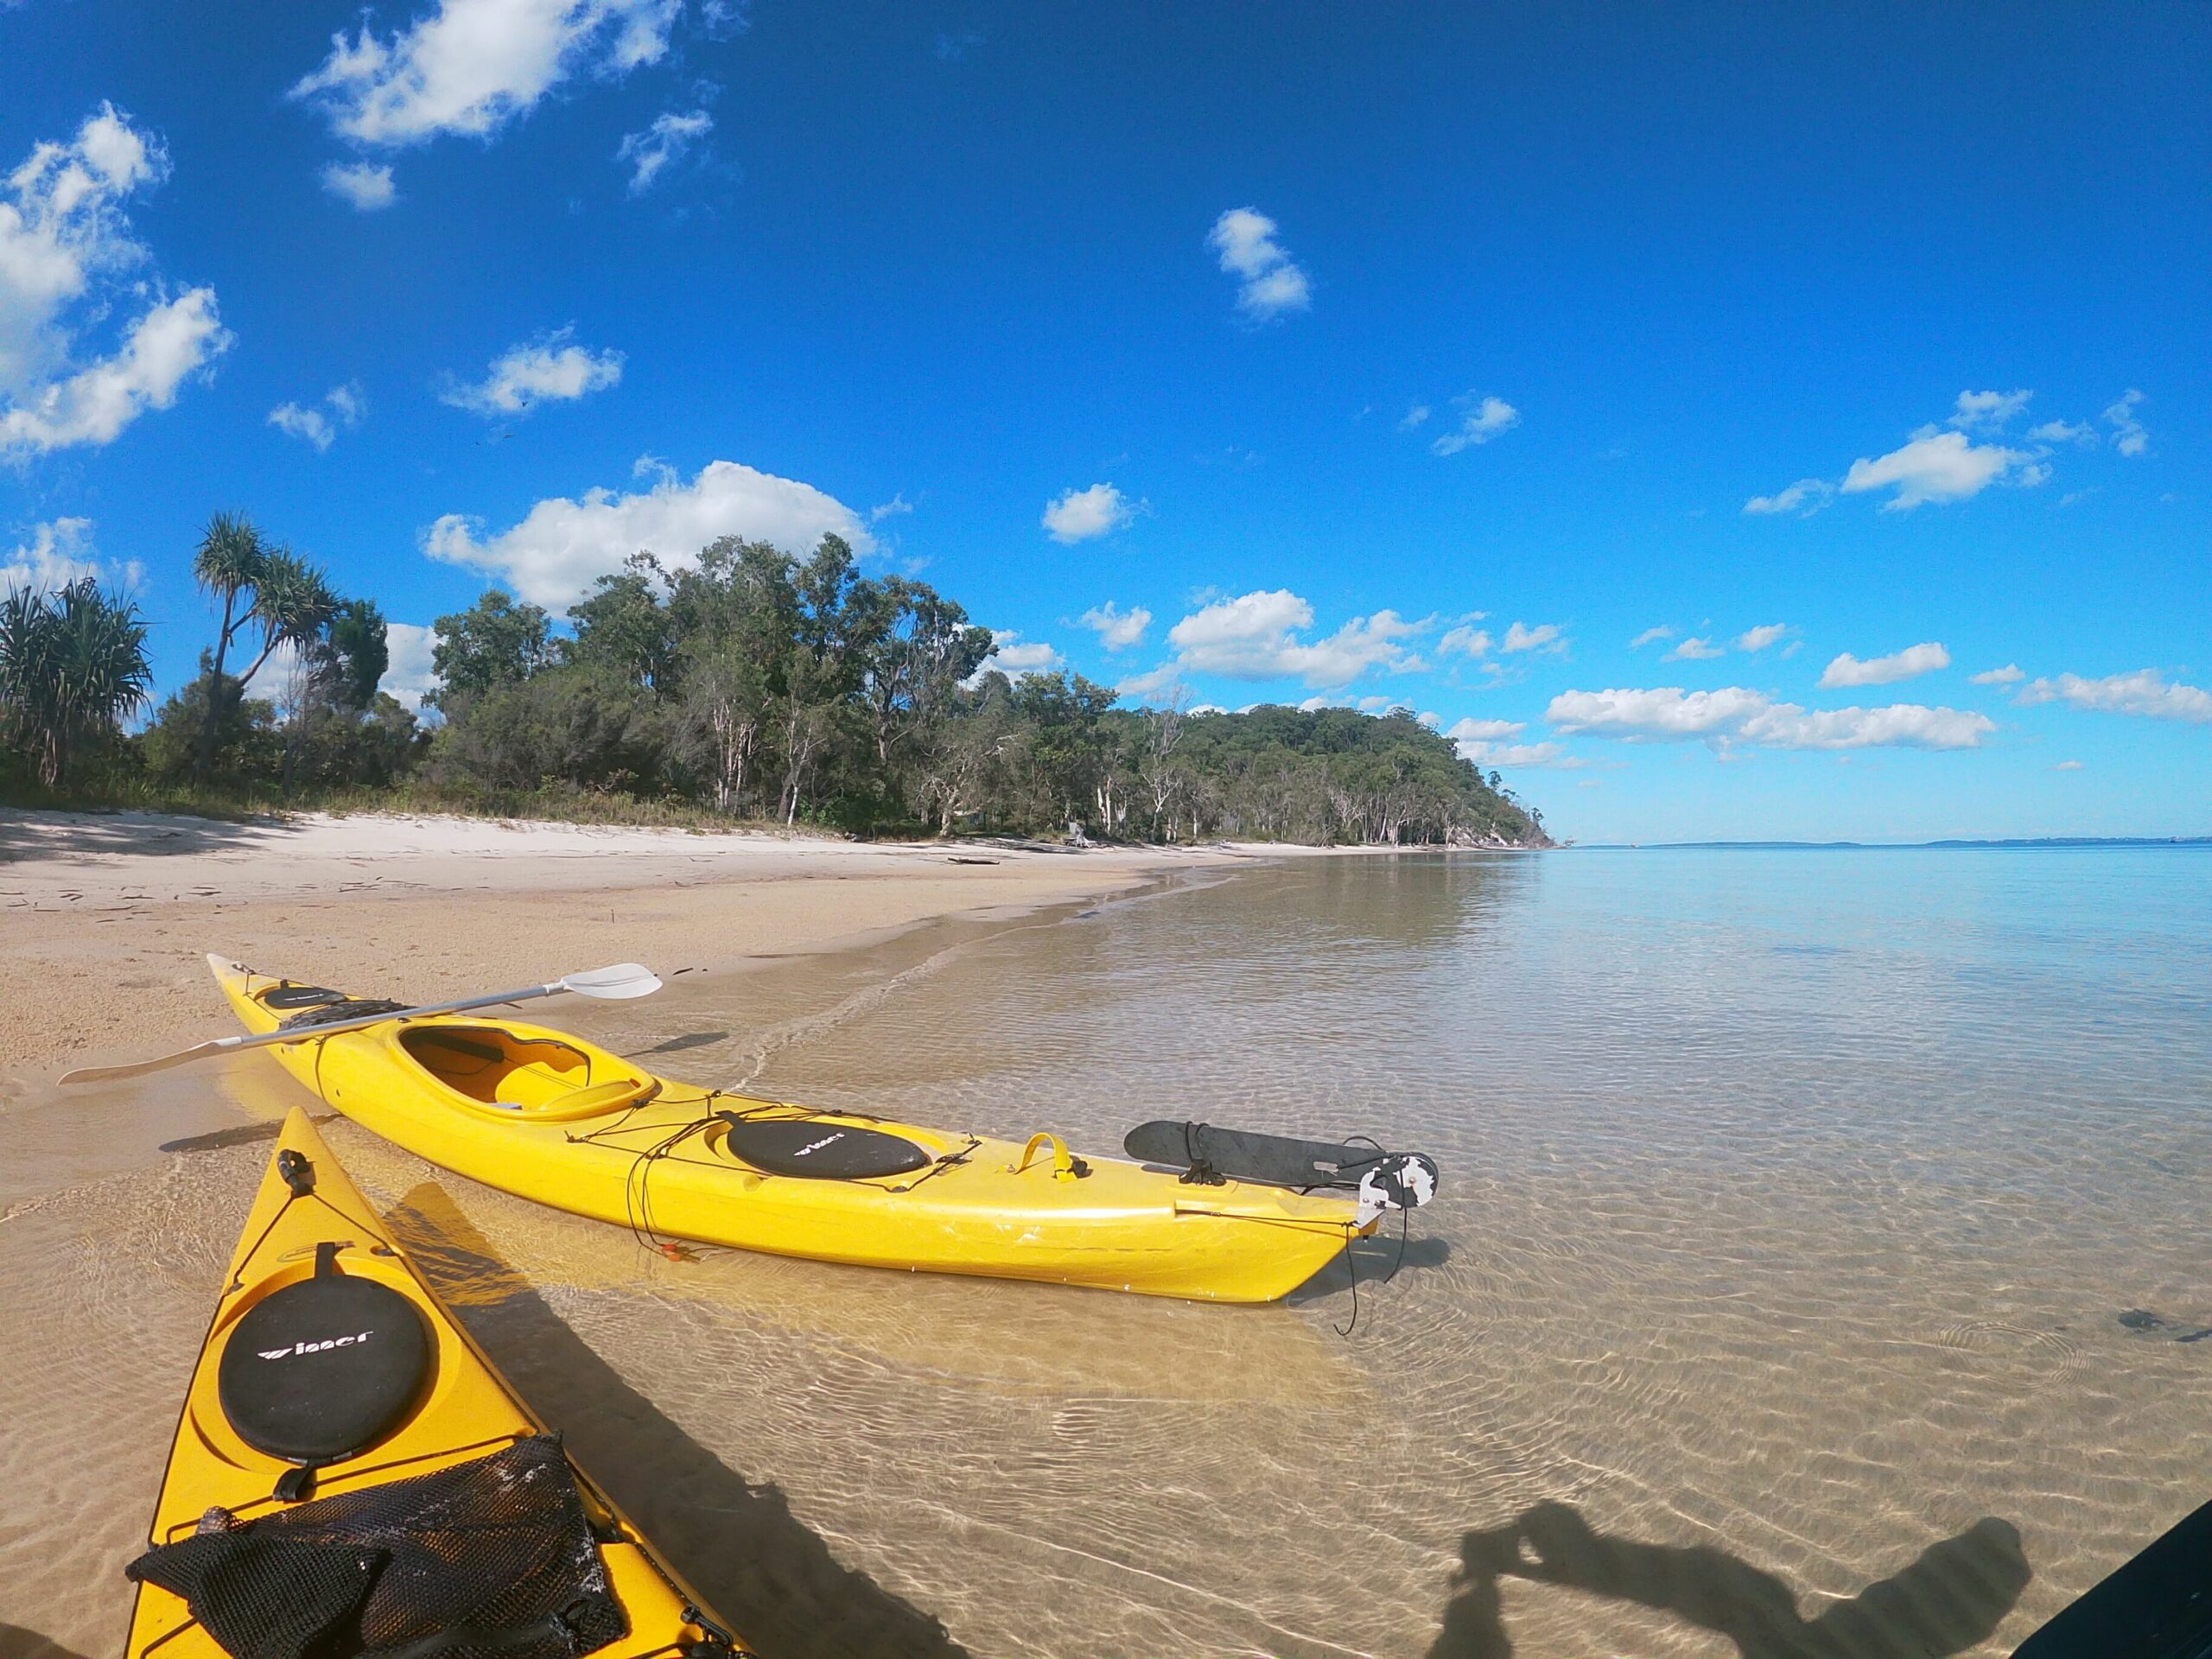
point(617, 983)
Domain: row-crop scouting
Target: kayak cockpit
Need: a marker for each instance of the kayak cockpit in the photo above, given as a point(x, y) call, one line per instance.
point(540, 1077)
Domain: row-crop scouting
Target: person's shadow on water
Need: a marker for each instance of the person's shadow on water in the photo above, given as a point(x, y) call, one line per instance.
point(736, 1543)
point(1951, 1598)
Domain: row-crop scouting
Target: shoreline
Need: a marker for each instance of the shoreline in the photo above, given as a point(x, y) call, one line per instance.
point(105, 917)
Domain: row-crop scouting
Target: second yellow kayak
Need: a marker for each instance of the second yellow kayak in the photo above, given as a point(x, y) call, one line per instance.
point(350, 1474)
point(547, 1117)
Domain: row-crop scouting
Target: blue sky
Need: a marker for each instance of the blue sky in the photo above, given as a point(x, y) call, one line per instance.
point(1853, 360)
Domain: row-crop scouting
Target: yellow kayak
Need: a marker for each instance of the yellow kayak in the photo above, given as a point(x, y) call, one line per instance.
point(350, 1471)
point(549, 1117)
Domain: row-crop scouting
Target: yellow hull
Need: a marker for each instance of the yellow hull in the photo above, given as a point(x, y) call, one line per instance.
point(463, 1412)
point(548, 1117)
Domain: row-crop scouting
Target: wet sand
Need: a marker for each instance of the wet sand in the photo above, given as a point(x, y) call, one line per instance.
point(105, 919)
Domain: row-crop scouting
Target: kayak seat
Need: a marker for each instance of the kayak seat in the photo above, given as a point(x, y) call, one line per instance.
point(540, 1078)
point(810, 1149)
point(323, 1369)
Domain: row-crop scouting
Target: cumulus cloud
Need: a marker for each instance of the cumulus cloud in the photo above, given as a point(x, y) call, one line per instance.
point(471, 67)
point(1269, 282)
point(1938, 467)
point(1012, 658)
point(407, 675)
point(1545, 637)
point(1738, 715)
point(341, 406)
point(1117, 629)
point(1987, 411)
point(1414, 417)
point(1847, 669)
point(366, 186)
point(1759, 638)
point(549, 369)
point(2067, 765)
point(1080, 515)
point(669, 139)
point(1804, 498)
point(68, 262)
point(1483, 421)
point(61, 552)
point(1256, 636)
point(1465, 640)
point(1694, 649)
point(1471, 730)
point(1517, 754)
point(2145, 692)
point(2064, 432)
point(2008, 675)
point(562, 546)
point(2127, 434)
point(1662, 632)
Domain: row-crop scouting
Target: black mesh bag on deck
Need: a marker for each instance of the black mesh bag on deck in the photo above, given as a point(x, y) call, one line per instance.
point(489, 1560)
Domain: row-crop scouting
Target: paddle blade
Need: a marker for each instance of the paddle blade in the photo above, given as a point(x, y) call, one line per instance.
point(114, 1073)
point(615, 984)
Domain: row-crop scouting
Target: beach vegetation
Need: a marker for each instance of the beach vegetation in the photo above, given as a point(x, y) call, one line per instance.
point(749, 687)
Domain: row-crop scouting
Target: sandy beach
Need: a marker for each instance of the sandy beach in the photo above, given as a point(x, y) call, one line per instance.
point(105, 917)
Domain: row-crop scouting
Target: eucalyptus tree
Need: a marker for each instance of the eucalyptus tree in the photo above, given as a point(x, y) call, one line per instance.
point(73, 666)
point(494, 642)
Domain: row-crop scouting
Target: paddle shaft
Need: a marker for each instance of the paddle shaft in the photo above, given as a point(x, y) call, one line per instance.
point(303, 1034)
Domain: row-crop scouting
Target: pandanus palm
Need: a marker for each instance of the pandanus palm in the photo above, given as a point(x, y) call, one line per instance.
point(73, 665)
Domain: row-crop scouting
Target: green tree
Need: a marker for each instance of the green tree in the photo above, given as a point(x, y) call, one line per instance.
point(624, 626)
point(494, 642)
point(73, 666)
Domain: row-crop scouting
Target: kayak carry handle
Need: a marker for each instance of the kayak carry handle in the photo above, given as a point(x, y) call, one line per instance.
point(1066, 1167)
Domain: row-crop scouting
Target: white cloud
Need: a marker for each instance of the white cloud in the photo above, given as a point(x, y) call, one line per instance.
point(1483, 422)
point(1847, 669)
point(1254, 637)
point(1736, 714)
point(1805, 498)
point(547, 369)
point(2008, 675)
point(1014, 659)
point(1988, 411)
point(1758, 638)
point(2145, 692)
point(2128, 435)
point(562, 546)
point(1518, 754)
point(408, 675)
point(61, 552)
point(1157, 686)
point(1545, 637)
point(1662, 632)
point(1270, 282)
point(895, 507)
point(667, 140)
point(1464, 640)
point(347, 408)
point(2064, 432)
point(1117, 629)
point(1079, 515)
point(470, 66)
point(68, 262)
point(2067, 765)
point(1935, 467)
point(1414, 417)
point(1694, 650)
point(367, 187)
point(1471, 730)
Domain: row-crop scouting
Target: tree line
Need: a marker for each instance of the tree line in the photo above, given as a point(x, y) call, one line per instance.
point(748, 684)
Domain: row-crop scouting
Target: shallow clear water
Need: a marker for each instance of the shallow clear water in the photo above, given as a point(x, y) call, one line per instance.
point(1771, 1304)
